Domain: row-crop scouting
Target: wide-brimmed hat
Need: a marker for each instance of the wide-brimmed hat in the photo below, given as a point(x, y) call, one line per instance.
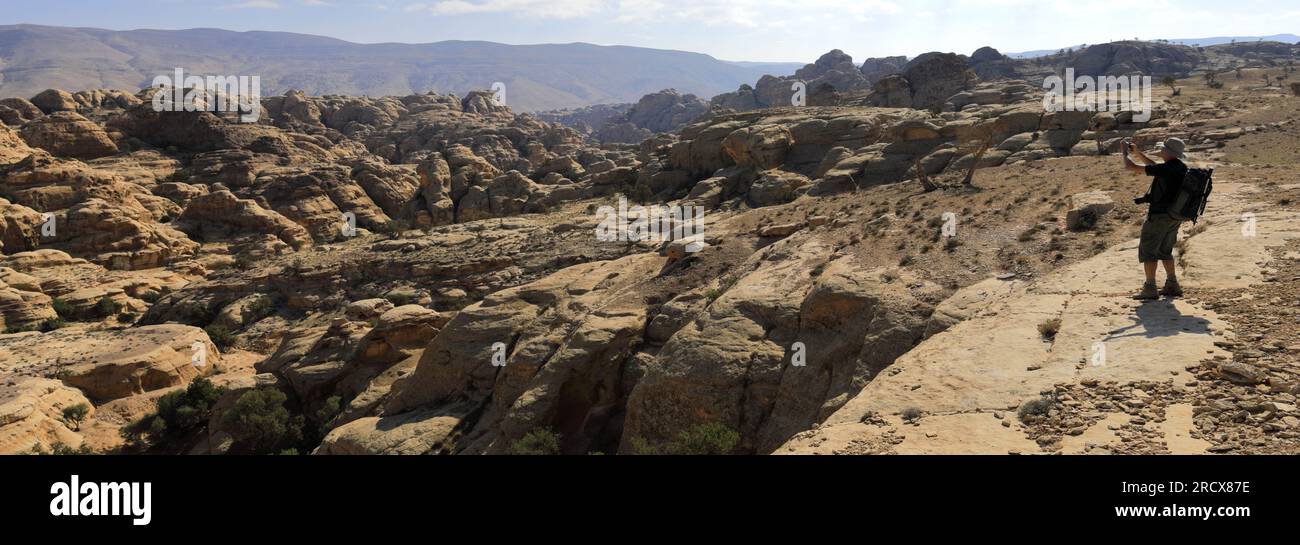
point(1175, 146)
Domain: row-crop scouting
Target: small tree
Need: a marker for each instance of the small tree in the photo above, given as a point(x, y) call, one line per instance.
point(1168, 81)
point(75, 414)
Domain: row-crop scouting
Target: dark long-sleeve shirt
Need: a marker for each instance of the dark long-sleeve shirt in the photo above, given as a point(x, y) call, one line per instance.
point(1167, 179)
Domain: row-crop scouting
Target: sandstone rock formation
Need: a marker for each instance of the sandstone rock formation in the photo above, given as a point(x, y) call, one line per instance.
point(68, 134)
point(31, 415)
point(107, 365)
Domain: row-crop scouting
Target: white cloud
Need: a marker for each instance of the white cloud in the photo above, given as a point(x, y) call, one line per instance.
point(546, 9)
point(256, 4)
point(743, 13)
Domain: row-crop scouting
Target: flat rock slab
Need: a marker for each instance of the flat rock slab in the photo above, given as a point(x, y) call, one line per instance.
point(110, 364)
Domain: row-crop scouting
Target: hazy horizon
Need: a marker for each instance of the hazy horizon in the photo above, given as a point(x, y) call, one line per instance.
point(733, 30)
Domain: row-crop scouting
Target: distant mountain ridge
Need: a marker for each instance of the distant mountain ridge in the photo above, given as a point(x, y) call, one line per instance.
point(537, 77)
point(1286, 38)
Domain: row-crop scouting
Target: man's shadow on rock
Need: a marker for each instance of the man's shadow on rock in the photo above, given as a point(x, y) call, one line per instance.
point(1161, 319)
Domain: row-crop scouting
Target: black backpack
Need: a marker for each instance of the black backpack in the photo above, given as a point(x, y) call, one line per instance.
point(1193, 195)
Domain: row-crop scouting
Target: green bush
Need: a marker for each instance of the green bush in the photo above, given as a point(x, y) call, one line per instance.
point(261, 307)
point(536, 443)
point(1049, 328)
point(638, 193)
point(106, 307)
point(1036, 407)
point(60, 449)
point(710, 439)
point(62, 308)
point(220, 335)
point(52, 324)
point(260, 420)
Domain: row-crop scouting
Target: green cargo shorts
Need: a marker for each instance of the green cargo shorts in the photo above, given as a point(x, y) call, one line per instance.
point(1159, 234)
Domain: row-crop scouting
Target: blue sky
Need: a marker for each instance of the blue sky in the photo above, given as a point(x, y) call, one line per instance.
point(756, 30)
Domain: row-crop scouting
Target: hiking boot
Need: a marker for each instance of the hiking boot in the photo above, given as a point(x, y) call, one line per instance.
point(1171, 289)
point(1148, 293)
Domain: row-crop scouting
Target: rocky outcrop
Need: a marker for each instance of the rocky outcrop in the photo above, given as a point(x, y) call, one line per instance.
point(68, 134)
point(735, 362)
point(220, 215)
point(23, 305)
point(832, 73)
point(55, 100)
point(193, 131)
point(834, 68)
point(111, 364)
point(1125, 58)
point(20, 227)
point(875, 69)
point(12, 147)
point(990, 64)
point(16, 112)
point(666, 111)
point(551, 353)
point(925, 82)
point(31, 415)
point(120, 234)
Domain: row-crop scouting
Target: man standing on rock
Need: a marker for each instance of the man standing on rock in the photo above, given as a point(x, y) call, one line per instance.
point(1160, 231)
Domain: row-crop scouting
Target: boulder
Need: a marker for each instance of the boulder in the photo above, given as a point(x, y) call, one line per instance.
point(1087, 209)
point(775, 187)
point(764, 147)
